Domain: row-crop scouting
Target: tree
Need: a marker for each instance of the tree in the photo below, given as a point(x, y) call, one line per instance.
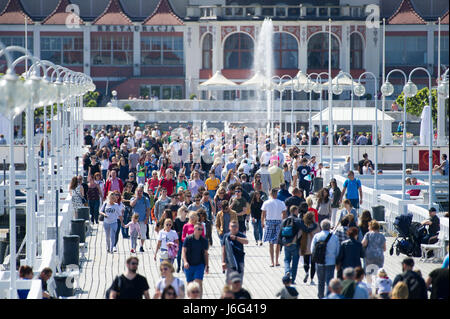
point(416, 104)
point(91, 99)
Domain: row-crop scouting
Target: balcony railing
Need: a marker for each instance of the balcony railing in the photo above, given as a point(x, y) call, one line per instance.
point(286, 12)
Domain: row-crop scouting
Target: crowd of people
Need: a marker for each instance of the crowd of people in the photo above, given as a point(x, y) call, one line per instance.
point(184, 188)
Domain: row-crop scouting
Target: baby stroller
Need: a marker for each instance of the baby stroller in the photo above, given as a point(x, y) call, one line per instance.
point(410, 235)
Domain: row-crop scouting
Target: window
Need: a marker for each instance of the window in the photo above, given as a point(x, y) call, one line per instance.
point(18, 41)
point(162, 50)
point(250, 11)
point(207, 52)
point(293, 12)
point(444, 50)
point(62, 50)
point(281, 12)
point(112, 50)
point(285, 51)
point(238, 51)
point(165, 92)
point(318, 52)
point(247, 94)
point(406, 50)
point(356, 51)
point(229, 95)
point(268, 11)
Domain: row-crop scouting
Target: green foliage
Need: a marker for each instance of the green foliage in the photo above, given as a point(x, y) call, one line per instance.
point(416, 104)
point(127, 107)
point(91, 103)
point(192, 96)
point(90, 99)
point(39, 112)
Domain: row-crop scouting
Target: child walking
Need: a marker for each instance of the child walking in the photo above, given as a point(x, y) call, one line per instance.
point(134, 231)
point(383, 285)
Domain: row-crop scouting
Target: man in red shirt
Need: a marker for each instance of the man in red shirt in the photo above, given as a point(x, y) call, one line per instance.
point(168, 182)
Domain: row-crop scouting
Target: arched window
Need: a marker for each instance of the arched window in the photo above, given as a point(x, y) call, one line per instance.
point(285, 51)
point(238, 52)
point(207, 52)
point(356, 51)
point(318, 52)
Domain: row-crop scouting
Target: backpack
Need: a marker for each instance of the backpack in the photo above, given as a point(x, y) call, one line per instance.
point(287, 231)
point(108, 291)
point(415, 287)
point(320, 249)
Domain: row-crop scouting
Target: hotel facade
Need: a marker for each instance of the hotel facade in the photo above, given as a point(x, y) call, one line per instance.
point(165, 48)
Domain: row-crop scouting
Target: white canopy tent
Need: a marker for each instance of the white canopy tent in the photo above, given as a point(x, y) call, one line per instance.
point(256, 82)
point(301, 78)
point(217, 82)
point(344, 81)
point(107, 116)
point(361, 116)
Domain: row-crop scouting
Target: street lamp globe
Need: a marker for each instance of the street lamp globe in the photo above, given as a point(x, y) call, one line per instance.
point(443, 89)
point(317, 87)
point(359, 90)
point(8, 89)
point(410, 89)
point(114, 93)
point(337, 89)
point(387, 89)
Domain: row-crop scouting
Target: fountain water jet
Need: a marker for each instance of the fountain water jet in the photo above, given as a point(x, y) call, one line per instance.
point(263, 64)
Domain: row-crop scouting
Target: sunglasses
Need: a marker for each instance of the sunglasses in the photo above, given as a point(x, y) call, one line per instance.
point(168, 224)
point(236, 192)
point(200, 229)
point(164, 268)
point(170, 293)
point(134, 264)
point(195, 291)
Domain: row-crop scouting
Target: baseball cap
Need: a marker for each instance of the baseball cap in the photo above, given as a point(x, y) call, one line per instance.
point(235, 277)
point(432, 209)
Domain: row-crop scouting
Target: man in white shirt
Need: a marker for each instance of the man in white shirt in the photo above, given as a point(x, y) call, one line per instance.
point(103, 141)
point(265, 156)
point(273, 212)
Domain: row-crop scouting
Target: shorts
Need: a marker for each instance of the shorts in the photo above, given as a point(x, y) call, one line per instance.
point(143, 228)
point(355, 202)
point(194, 272)
point(272, 230)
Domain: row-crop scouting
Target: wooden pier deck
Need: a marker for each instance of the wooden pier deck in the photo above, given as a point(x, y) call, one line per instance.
point(99, 268)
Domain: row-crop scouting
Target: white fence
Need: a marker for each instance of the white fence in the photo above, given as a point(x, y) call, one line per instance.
point(392, 202)
point(232, 105)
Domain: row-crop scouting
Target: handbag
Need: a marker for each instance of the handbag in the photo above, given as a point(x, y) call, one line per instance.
point(101, 217)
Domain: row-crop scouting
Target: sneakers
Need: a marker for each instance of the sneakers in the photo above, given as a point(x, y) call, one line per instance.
point(141, 249)
point(133, 251)
point(312, 282)
point(115, 249)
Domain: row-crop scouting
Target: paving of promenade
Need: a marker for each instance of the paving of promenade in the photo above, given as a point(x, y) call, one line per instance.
point(262, 281)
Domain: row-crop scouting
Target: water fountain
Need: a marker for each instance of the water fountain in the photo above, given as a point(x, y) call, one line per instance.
point(263, 65)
